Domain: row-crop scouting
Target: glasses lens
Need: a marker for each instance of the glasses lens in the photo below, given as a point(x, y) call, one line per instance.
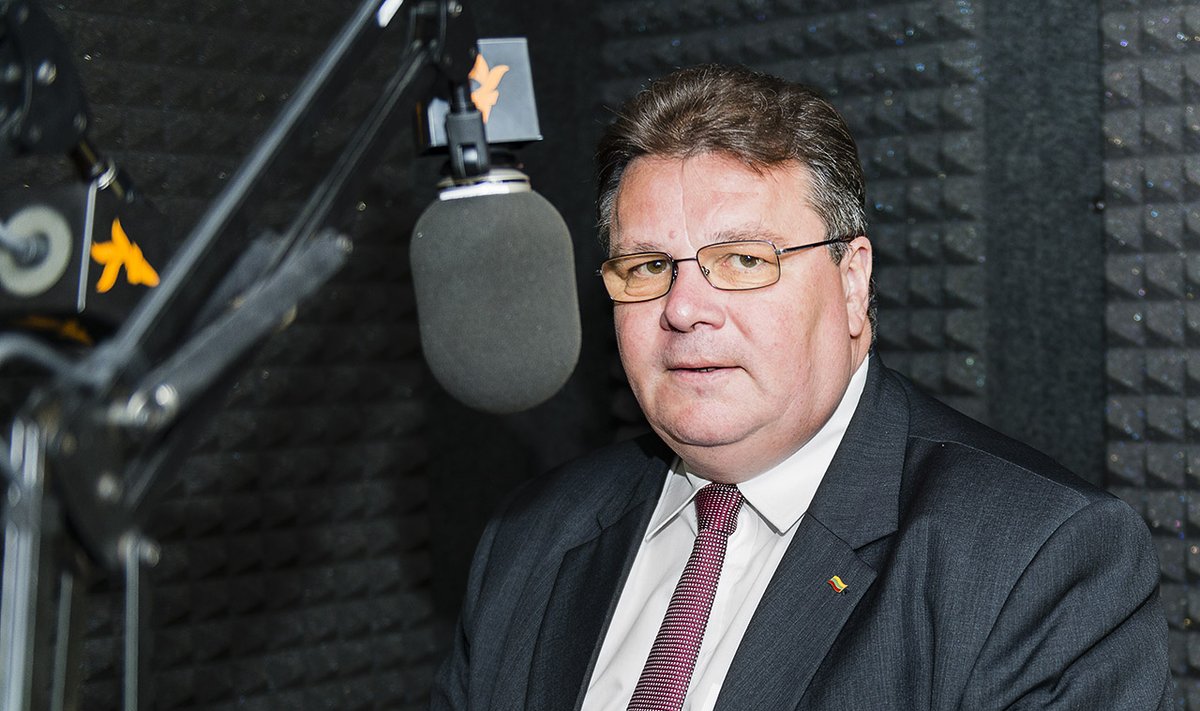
point(740, 265)
point(637, 277)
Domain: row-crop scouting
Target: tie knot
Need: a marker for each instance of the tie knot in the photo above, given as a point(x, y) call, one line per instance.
point(717, 508)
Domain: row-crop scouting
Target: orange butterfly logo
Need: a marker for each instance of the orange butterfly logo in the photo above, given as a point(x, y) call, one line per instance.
point(488, 93)
point(122, 252)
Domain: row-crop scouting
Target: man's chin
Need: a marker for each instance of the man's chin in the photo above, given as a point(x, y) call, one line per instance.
point(691, 433)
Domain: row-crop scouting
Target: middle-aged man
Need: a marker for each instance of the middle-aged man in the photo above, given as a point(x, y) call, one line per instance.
point(806, 530)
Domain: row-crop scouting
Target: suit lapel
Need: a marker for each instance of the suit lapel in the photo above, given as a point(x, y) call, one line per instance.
point(796, 622)
point(857, 503)
point(585, 592)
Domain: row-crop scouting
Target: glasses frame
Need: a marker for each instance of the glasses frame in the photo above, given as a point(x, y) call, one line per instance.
point(704, 272)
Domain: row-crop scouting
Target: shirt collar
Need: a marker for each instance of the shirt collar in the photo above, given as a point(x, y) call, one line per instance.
point(781, 494)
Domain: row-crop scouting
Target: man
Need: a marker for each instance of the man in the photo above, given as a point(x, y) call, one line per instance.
point(806, 530)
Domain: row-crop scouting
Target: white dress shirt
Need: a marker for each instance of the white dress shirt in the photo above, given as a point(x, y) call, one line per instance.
point(775, 501)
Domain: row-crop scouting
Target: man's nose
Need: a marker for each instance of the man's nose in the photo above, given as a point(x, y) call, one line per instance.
point(692, 301)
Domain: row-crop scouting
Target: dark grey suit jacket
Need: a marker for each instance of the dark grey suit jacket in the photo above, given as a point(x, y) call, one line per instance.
point(980, 574)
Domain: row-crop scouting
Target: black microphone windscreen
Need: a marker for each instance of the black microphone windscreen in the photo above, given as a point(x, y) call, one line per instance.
point(495, 286)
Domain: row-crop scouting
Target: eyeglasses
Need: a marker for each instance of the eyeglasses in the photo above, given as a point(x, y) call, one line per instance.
point(728, 266)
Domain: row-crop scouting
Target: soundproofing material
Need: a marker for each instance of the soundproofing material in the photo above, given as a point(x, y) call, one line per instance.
point(295, 560)
point(1152, 183)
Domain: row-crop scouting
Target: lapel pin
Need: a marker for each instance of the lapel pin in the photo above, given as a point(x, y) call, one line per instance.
point(836, 583)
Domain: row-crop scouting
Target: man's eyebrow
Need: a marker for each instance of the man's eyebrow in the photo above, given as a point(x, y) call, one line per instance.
point(737, 234)
point(731, 234)
point(637, 247)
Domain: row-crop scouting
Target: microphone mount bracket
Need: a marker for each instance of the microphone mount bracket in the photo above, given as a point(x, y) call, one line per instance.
point(465, 136)
point(42, 104)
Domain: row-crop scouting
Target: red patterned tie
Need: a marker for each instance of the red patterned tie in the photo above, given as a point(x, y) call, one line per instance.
point(664, 681)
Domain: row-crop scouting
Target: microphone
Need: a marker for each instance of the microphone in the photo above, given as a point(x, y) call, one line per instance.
point(494, 274)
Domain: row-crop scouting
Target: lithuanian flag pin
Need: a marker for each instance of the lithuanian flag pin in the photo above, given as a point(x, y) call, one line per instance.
point(836, 583)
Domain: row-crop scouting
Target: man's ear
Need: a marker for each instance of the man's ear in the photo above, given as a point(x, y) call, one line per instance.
point(856, 282)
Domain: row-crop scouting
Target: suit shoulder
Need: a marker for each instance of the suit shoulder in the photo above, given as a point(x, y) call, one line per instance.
point(583, 485)
point(979, 503)
point(947, 446)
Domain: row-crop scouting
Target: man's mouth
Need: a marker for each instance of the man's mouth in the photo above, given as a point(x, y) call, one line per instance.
point(699, 368)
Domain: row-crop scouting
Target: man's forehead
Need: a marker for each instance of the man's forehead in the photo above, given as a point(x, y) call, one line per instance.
point(711, 161)
point(712, 175)
point(659, 197)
